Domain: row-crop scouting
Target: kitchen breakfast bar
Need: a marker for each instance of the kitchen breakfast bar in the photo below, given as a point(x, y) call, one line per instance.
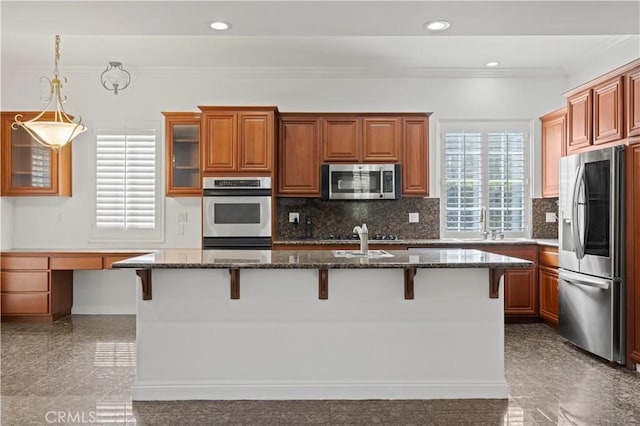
point(225, 324)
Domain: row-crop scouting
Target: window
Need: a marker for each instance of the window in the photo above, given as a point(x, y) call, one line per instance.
point(485, 166)
point(128, 205)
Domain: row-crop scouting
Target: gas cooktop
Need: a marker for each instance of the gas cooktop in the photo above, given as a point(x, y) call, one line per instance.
point(355, 237)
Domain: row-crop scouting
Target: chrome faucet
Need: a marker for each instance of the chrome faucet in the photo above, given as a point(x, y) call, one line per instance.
point(363, 234)
point(483, 223)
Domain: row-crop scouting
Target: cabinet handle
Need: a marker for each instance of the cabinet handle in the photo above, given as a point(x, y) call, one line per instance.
point(173, 160)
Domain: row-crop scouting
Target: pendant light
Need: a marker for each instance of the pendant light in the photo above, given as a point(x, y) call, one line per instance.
point(62, 129)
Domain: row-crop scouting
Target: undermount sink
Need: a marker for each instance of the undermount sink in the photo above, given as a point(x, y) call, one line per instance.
point(358, 253)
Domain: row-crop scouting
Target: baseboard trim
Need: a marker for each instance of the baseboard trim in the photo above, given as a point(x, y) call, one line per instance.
point(181, 390)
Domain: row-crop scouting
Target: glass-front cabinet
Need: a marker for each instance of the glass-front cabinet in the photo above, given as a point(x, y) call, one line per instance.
point(182, 136)
point(28, 167)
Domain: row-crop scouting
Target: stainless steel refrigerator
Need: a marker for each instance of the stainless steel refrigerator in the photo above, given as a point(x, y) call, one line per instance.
point(591, 252)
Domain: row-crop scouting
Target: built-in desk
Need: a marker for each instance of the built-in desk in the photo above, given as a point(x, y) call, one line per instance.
point(37, 285)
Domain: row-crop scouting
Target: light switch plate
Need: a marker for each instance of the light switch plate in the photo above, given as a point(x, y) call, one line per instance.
point(414, 217)
point(294, 217)
point(551, 217)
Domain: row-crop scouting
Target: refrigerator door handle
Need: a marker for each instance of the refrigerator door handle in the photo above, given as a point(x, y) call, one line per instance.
point(575, 225)
point(584, 280)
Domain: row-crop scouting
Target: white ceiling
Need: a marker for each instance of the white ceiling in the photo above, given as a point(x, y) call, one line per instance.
point(541, 37)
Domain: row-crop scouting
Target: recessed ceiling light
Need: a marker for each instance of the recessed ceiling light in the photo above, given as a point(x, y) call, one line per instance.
point(437, 25)
point(220, 26)
point(493, 63)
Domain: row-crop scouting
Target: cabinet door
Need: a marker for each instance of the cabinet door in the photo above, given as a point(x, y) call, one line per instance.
point(219, 141)
point(255, 141)
point(341, 139)
point(182, 142)
point(520, 296)
point(607, 111)
point(554, 129)
point(548, 282)
point(299, 157)
point(633, 102)
point(415, 157)
point(30, 168)
point(381, 140)
point(579, 121)
point(633, 252)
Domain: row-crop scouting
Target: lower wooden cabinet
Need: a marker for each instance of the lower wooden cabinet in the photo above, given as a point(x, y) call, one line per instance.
point(548, 281)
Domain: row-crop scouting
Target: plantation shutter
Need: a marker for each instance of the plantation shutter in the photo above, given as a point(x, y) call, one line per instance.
point(40, 166)
point(485, 166)
point(463, 176)
point(126, 180)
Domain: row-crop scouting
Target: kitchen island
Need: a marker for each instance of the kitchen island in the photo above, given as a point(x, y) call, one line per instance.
point(224, 324)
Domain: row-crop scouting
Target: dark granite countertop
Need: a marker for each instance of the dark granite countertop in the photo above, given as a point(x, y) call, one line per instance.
point(444, 242)
point(316, 259)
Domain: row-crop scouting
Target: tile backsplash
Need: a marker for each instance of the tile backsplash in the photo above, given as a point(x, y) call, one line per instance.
point(336, 217)
point(540, 227)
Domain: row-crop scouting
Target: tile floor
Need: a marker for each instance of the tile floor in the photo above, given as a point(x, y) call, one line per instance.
point(80, 370)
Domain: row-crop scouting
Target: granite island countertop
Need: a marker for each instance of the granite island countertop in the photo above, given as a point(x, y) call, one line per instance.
point(319, 259)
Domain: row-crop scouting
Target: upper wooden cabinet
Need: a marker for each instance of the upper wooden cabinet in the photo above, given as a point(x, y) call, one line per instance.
point(361, 139)
point(605, 110)
point(415, 157)
point(632, 105)
point(299, 156)
point(182, 142)
point(580, 121)
point(554, 131)
point(608, 117)
point(238, 139)
point(29, 168)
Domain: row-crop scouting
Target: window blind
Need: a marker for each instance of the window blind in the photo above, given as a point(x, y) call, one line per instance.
point(485, 167)
point(126, 180)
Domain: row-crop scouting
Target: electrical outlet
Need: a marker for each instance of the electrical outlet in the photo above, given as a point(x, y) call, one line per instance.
point(181, 217)
point(414, 217)
point(294, 217)
point(59, 218)
point(180, 229)
point(551, 217)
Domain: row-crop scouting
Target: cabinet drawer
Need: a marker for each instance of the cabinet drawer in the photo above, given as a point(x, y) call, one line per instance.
point(108, 260)
point(11, 262)
point(24, 281)
point(73, 263)
point(549, 256)
point(24, 303)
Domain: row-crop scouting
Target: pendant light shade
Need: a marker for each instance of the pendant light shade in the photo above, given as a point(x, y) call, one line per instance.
point(62, 129)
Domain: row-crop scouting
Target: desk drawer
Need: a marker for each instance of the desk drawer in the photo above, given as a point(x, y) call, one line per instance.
point(20, 262)
point(24, 281)
point(24, 303)
point(549, 256)
point(74, 263)
point(108, 260)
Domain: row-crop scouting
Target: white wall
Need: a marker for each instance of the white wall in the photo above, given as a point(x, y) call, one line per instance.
point(37, 219)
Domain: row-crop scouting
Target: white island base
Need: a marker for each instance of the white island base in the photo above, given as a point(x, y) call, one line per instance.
point(279, 341)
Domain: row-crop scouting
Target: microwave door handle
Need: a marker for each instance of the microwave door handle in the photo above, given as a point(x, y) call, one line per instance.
point(575, 226)
point(381, 182)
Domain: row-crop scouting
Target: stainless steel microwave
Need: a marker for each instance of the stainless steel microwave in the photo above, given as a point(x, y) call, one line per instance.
point(361, 181)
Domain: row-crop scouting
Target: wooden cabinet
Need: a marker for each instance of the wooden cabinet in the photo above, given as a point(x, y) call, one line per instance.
point(633, 253)
point(554, 135)
point(341, 140)
point(299, 156)
point(28, 167)
point(520, 285)
point(182, 148)
point(361, 139)
point(415, 157)
point(632, 102)
point(548, 284)
point(608, 116)
point(238, 139)
point(579, 117)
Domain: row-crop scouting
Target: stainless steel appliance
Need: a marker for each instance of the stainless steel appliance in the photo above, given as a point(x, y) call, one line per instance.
point(361, 181)
point(236, 213)
point(591, 252)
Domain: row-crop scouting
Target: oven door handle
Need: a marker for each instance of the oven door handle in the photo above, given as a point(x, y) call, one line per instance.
point(580, 279)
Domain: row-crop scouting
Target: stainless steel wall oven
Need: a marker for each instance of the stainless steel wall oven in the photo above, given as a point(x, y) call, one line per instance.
point(236, 213)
